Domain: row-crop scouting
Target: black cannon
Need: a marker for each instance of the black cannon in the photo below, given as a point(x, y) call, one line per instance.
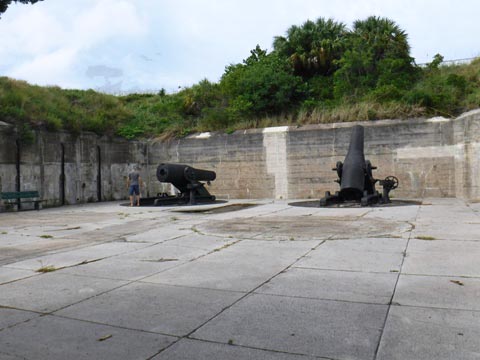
point(355, 177)
point(188, 181)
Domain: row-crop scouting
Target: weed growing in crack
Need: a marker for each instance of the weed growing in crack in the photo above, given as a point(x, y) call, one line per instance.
point(422, 237)
point(46, 269)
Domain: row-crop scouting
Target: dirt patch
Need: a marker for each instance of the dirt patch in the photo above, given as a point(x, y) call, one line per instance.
point(305, 228)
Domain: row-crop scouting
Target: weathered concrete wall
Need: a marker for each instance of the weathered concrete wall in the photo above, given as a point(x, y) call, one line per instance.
point(40, 165)
point(431, 157)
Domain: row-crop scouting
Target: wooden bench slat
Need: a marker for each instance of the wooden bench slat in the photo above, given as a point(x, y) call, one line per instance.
point(19, 195)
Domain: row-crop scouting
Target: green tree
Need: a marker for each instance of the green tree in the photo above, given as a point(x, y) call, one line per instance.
point(313, 47)
point(378, 55)
point(436, 62)
point(5, 3)
point(264, 84)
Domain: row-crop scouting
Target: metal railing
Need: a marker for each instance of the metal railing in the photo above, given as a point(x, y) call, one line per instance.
point(452, 62)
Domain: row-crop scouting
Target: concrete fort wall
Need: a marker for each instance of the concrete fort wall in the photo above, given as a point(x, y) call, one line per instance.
point(431, 157)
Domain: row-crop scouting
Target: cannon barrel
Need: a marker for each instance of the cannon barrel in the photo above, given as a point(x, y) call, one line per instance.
point(182, 174)
point(188, 181)
point(352, 183)
point(193, 174)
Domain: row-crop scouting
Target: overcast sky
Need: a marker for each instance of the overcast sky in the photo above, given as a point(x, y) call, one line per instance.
point(141, 45)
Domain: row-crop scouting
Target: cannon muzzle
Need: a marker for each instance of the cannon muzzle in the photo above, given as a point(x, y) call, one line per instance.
point(187, 180)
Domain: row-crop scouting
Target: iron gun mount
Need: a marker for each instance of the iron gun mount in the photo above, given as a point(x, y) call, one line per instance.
point(355, 177)
point(188, 181)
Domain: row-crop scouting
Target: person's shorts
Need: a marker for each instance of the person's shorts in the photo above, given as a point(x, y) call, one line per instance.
point(133, 189)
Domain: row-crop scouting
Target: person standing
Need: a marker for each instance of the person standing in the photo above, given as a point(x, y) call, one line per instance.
point(134, 182)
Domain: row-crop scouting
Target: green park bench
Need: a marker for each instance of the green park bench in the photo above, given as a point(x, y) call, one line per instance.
point(13, 197)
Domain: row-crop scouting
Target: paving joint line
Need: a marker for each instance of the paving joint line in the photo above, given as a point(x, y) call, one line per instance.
point(187, 336)
point(347, 270)
point(438, 308)
point(321, 299)
point(396, 283)
point(261, 349)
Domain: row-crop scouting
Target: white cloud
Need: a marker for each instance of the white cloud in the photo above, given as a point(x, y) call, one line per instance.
point(167, 43)
point(45, 48)
point(49, 69)
point(31, 33)
point(106, 20)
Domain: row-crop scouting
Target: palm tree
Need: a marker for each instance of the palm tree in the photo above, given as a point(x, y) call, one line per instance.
point(313, 47)
point(382, 37)
point(377, 54)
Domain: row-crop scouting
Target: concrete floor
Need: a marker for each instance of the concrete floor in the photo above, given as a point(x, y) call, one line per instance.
point(273, 281)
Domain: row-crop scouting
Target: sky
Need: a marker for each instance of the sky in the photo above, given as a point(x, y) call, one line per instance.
point(123, 46)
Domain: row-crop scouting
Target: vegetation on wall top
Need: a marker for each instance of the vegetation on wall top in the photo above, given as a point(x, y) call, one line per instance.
point(318, 72)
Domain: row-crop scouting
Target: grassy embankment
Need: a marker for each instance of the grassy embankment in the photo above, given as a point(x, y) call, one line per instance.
point(446, 90)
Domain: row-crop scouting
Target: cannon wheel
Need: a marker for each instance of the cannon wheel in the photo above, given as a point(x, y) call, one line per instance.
point(393, 180)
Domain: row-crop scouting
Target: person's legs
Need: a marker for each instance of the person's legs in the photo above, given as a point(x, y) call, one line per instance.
point(130, 193)
point(137, 194)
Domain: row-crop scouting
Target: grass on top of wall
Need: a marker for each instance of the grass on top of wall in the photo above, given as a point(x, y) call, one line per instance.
point(445, 90)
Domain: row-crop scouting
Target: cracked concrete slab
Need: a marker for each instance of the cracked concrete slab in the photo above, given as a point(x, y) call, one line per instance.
point(430, 334)
point(243, 266)
point(60, 338)
point(76, 257)
point(159, 234)
point(269, 281)
point(123, 268)
point(402, 213)
point(8, 274)
point(191, 349)
point(197, 243)
point(331, 329)
point(448, 230)
point(446, 257)
point(52, 291)
point(172, 310)
point(332, 285)
point(10, 317)
point(438, 292)
point(366, 255)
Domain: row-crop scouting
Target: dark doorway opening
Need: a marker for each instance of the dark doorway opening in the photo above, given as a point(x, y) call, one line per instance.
point(17, 167)
point(99, 174)
point(62, 175)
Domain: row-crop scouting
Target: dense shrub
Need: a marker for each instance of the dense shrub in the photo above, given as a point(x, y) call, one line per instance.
point(263, 85)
